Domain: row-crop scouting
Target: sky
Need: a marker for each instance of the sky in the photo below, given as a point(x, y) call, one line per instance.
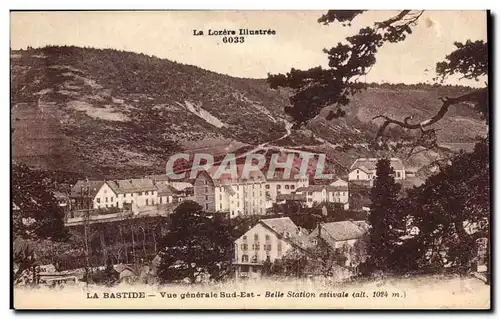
point(298, 42)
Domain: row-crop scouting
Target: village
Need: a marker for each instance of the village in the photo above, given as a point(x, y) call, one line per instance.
point(242, 196)
point(98, 203)
point(173, 156)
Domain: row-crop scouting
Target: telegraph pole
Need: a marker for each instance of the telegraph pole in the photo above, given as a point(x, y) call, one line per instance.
point(85, 230)
point(233, 250)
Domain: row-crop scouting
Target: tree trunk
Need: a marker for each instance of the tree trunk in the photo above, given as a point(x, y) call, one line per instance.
point(133, 245)
point(154, 240)
point(191, 273)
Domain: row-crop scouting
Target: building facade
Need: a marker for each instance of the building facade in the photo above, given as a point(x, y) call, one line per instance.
point(235, 194)
point(346, 238)
point(129, 194)
point(204, 191)
point(281, 185)
point(269, 240)
point(336, 192)
point(365, 170)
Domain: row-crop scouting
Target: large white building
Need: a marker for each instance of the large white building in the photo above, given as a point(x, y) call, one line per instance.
point(241, 195)
point(365, 169)
point(132, 194)
point(281, 185)
point(269, 240)
point(237, 195)
point(336, 192)
point(179, 185)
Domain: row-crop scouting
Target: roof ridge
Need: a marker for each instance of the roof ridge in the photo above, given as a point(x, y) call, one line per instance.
point(337, 222)
point(286, 217)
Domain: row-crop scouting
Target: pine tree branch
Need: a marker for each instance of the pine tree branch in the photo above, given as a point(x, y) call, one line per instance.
point(474, 96)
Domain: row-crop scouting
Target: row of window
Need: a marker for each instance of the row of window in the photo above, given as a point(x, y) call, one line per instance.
point(98, 201)
point(256, 237)
point(244, 258)
point(254, 212)
point(335, 193)
point(266, 247)
point(286, 186)
point(108, 205)
point(370, 176)
point(255, 258)
point(292, 187)
point(245, 268)
point(129, 194)
point(140, 194)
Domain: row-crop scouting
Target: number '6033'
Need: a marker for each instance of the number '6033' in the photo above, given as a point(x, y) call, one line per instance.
point(233, 39)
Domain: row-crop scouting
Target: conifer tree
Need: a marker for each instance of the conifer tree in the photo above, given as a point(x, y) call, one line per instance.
point(383, 216)
point(197, 244)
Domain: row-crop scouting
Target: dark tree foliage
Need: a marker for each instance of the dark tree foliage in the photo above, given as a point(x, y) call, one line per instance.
point(23, 258)
point(343, 16)
point(37, 215)
point(317, 87)
point(197, 244)
point(470, 60)
point(108, 276)
point(309, 217)
point(384, 216)
point(452, 211)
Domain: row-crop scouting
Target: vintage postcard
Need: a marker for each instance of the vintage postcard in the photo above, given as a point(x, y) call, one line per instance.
point(334, 159)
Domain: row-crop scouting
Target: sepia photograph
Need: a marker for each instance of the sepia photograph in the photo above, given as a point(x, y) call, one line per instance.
point(293, 160)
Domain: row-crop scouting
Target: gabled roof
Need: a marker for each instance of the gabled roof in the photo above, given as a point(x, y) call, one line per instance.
point(339, 182)
point(89, 188)
point(225, 178)
point(370, 164)
point(181, 186)
point(165, 190)
point(320, 188)
point(331, 188)
point(285, 228)
point(160, 177)
point(279, 175)
point(362, 224)
point(311, 188)
point(181, 183)
point(132, 185)
point(339, 231)
point(281, 225)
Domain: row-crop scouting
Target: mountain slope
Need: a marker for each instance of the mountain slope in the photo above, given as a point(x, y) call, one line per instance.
point(460, 124)
point(107, 111)
point(111, 113)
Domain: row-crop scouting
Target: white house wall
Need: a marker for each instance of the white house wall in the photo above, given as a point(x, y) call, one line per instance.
point(105, 197)
point(261, 254)
point(358, 175)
